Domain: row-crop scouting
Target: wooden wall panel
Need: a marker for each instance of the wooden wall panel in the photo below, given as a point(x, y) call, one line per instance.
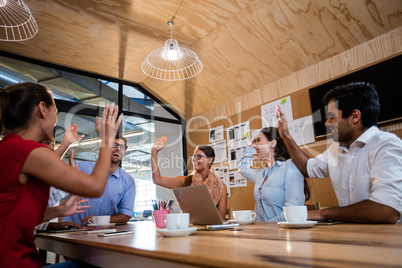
point(374, 51)
point(296, 85)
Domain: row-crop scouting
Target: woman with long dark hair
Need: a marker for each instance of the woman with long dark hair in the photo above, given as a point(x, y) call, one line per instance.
point(202, 160)
point(280, 183)
point(28, 168)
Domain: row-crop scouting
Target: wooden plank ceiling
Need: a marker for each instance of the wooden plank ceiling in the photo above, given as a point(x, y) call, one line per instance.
point(243, 44)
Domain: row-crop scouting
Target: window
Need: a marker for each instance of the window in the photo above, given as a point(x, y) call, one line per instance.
point(79, 97)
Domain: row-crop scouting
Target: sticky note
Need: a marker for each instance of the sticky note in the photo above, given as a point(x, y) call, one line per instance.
point(283, 100)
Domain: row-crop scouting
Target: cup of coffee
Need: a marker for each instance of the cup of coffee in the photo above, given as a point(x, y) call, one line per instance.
point(99, 220)
point(177, 221)
point(295, 213)
point(159, 217)
point(243, 215)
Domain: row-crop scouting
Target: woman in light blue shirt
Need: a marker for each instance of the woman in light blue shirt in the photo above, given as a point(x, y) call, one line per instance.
point(280, 183)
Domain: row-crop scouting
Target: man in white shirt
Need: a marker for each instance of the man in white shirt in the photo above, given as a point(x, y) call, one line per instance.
point(364, 163)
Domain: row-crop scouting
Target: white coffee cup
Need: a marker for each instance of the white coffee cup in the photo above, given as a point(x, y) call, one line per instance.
point(177, 221)
point(99, 220)
point(243, 215)
point(295, 213)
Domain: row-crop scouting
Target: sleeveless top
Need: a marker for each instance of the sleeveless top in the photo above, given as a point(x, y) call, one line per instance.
point(22, 205)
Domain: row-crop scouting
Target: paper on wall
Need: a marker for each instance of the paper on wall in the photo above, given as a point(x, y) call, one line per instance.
point(237, 180)
point(255, 133)
point(223, 173)
point(238, 137)
point(216, 134)
point(268, 112)
point(302, 130)
point(220, 151)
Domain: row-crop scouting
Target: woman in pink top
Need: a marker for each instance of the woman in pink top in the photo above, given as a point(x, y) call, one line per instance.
point(28, 114)
point(202, 160)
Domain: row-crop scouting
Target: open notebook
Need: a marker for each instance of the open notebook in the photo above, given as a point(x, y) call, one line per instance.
point(197, 201)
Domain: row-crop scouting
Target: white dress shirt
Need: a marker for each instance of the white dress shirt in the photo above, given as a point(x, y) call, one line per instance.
point(371, 169)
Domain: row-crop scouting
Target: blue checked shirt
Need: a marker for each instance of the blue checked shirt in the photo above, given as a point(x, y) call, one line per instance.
point(119, 195)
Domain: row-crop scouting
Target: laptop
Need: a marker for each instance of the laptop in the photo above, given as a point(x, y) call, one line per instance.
point(197, 201)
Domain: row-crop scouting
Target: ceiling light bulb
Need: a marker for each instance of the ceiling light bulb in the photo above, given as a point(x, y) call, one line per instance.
point(172, 55)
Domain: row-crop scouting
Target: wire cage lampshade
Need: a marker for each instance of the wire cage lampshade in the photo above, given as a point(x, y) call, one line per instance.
point(16, 21)
point(171, 62)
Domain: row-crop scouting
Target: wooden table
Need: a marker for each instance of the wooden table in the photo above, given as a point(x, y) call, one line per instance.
point(257, 245)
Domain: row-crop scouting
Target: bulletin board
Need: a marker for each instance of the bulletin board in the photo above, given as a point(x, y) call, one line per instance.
point(242, 197)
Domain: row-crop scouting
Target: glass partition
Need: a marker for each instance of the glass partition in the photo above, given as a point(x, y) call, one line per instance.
point(80, 97)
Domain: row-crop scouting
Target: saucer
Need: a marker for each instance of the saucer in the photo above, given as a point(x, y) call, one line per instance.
point(244, 222)
point(184, 232)
point(101, 225)
point(305, 224)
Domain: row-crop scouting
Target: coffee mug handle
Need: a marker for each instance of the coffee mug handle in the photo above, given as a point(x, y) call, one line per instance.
point(252, 215)
point(91, 221)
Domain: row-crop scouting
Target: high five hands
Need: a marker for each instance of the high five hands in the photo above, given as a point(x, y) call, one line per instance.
point(159, 144)
point(109, 125)
point(282, 122)
point(71, 135)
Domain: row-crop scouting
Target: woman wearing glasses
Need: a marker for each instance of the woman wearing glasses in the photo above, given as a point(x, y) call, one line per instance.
point(28, 113)
point(280, 183)
point(202, 160)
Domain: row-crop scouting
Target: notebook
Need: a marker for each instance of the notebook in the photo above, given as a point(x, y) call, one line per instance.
point(197, 201)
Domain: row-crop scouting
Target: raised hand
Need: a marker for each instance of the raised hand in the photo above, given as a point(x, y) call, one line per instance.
point(97, 125)
point(71, 159)
point(72, 206)
point(109, 125)
point(159, 144)
point(71, 135)
point(282, 122)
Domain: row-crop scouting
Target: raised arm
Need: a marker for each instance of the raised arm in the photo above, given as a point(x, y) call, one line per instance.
point(299, 158)
point(69, 138)
point(47, 166)
point(167, 182)
point(246, 161)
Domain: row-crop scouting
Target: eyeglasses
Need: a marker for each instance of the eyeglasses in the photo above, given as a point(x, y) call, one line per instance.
point(120, 146)
point(198, 156)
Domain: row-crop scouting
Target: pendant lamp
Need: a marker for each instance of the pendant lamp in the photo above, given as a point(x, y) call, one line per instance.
point(16, 21)
point(171, 62)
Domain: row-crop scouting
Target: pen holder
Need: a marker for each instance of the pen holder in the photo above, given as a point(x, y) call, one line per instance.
point(159, 217)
